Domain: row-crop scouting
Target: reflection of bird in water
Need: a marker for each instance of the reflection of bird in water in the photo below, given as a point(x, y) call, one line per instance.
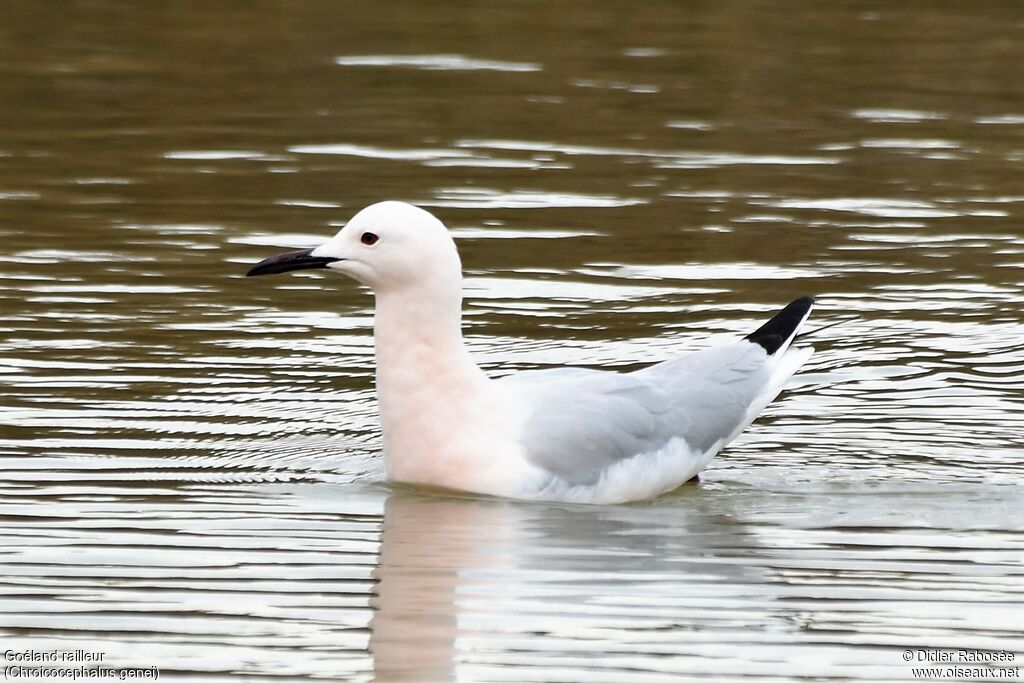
point(465, 583)
point(569, 434)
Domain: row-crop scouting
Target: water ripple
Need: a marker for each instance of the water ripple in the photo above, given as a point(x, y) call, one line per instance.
point(442, 62)
point(479, 197)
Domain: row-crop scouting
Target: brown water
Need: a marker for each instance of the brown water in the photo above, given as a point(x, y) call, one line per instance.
point(191, 475)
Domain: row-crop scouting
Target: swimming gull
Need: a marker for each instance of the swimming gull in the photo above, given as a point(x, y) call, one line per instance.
point(565, 434)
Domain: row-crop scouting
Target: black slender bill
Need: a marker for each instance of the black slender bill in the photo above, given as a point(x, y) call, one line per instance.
point(293, 260)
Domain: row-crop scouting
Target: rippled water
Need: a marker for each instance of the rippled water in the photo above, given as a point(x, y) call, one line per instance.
point(191, 472)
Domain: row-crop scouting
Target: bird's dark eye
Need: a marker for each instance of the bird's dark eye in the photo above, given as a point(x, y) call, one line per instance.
point(368, 238)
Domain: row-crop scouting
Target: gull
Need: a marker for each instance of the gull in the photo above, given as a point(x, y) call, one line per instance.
point(563, 434)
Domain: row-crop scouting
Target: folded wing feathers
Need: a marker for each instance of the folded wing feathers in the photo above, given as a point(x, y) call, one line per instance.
point(584, 421)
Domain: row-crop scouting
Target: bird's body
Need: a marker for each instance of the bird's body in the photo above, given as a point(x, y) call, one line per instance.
point(569, 434)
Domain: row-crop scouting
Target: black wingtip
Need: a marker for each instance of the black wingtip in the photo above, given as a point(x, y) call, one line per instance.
point(775, 333)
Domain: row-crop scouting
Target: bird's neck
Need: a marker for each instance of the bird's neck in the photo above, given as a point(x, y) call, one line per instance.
point(421, 356)
point(405, 323)
point(429, 390)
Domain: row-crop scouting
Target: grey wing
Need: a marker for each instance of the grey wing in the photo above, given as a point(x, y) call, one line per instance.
point(583, 421)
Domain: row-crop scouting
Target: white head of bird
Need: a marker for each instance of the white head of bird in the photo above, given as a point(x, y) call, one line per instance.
point(393, 246)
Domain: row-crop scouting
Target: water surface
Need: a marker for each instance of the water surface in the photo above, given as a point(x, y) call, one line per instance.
point(191, 460)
